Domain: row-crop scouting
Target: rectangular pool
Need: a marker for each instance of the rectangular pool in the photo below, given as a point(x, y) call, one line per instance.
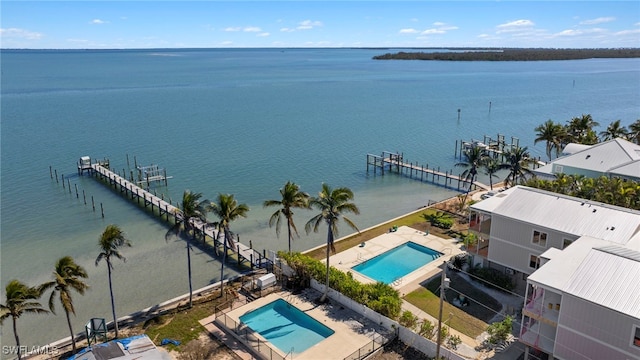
point(286, 327)
point(397, 262)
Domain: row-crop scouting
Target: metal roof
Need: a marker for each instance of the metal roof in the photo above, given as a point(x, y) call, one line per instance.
point(609, 279)
point(611, 156)
point(564, 213)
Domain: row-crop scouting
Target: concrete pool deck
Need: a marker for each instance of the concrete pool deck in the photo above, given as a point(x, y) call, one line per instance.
point(351, 330)
point(385, 242)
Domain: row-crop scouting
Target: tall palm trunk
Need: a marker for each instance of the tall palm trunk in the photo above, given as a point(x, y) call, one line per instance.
point(113, 303)
point(189, 272)
point(15, 333)
point(289, 233)
point(329, 245)
point(224, 259)
point(73, 339)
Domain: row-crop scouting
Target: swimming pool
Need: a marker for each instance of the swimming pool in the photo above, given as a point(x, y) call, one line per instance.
point(397, 262)
point(286, 327)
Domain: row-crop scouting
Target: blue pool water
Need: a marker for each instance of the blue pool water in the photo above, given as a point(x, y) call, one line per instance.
point(286, 327)
point(397, 262)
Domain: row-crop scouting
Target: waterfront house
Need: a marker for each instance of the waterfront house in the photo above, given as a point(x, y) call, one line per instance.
point(584, 302)
point(577, 263)
point(613, 158)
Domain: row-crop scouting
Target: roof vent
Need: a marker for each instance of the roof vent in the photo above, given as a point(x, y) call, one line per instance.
point(588, 156)
point(594, 210)
point(613, 228)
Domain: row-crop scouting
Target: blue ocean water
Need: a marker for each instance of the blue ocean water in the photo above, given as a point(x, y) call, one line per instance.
point(245, 121)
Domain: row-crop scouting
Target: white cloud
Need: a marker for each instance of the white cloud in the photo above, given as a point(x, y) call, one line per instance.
point(515, 26)
point(252, 29)
point(408, 31)
point(98, 22)
point(599, 20)
point(573, 32)
point(414, 20)
point(287, 29)
point(232, 29)
point(264, 34)
point(226, 43)
point(308, 24)
point(20, 33)
point(439, 28)
point(627, 32)
point(432, 31)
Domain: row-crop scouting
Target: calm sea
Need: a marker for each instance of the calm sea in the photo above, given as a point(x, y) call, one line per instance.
point(245, 121)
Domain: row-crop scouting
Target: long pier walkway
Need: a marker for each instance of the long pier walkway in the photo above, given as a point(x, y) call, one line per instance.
point(172, 213)
point(395, 163)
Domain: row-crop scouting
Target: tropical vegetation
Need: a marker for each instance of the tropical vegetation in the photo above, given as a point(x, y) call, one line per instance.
point(553, 134)
point(439, 219)
point(473, 159)
point(613, 191)
point(67, 277)
point(517, 162)
point(332, 204)
point(110, 242)
point(192, 210)
point(227, 209)
point(20, 299)
point(379, 296)
point(291, 198)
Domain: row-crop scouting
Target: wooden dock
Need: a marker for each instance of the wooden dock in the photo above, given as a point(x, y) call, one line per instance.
point(395, 163)
point(165, 210)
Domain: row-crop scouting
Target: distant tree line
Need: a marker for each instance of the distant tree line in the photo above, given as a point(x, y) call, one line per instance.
point(511, 54)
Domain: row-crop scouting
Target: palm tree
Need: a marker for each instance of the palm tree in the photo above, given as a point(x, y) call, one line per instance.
point(553, 134)
point(491, 167)
point(227, 210)
point(111, 240)
point(292, 198)
point(634, 132)
point(333, 204)
point(614, 131)
point(580, 130)
point(20, 299)
point(192, 209)
point(517, 162)
point(68, 276)
point(474, 158)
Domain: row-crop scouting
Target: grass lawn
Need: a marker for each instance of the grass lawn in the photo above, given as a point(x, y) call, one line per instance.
point(413, 220)
point(470, 320)
point(181, 325)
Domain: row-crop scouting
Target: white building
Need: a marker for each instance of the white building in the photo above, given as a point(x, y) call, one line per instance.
point(613, 158)
point(582, 300)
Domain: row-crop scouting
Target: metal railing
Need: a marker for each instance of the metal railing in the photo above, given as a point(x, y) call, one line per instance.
point(249, 338)
point(378, 342)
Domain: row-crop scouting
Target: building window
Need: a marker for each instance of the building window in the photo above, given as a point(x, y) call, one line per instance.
point(534, 261)
point(539, 238)
point(636, 336)
point(566, 242)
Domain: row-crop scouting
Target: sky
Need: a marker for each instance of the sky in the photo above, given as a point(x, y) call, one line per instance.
point(264, 24)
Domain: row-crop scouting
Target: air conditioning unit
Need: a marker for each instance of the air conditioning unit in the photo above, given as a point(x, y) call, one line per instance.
point(510, 271)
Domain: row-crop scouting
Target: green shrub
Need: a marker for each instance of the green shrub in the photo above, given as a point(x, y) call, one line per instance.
point(500, 331)
point(427, 329)
point(379, 297)
point(493, 277)
point(408, 320)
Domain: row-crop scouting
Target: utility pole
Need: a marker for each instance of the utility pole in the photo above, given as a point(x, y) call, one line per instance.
point(443, 286)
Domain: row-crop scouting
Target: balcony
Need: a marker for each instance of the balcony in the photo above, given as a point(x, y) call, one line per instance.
point(479, 225)
point(538, 335)
point(543, 306)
